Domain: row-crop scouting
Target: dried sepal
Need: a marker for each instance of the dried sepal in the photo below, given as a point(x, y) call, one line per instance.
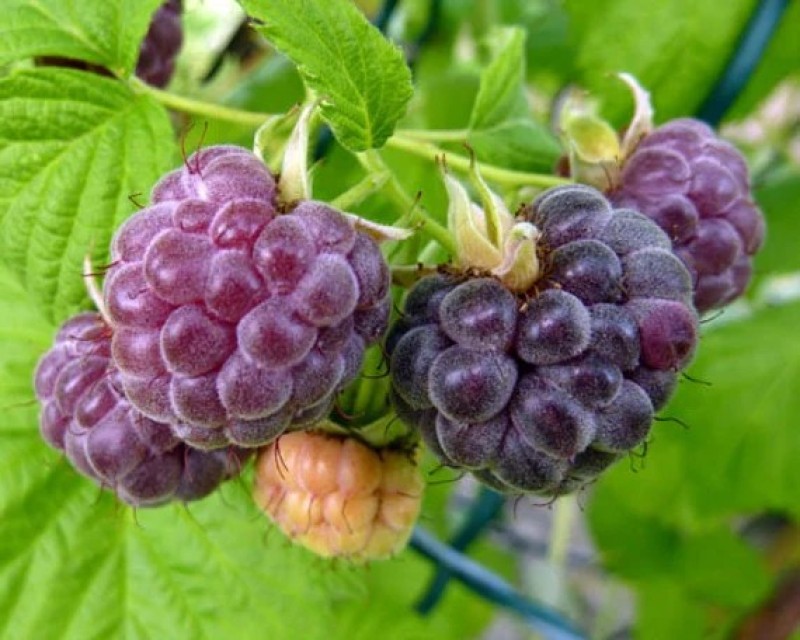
point(642, 122)
point(295, 182)
point(520, 266)
point(378, 232)
point(592, 143)
point(467, 222)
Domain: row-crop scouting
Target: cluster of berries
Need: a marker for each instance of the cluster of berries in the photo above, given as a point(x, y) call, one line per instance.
point(539, 390)
point(227, 321)
point(231, 318)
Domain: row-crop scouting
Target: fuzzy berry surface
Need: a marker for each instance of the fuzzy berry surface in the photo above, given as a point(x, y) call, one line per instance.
point(696, 187)
point(540, 392)
point(234, 320)
point(338, 497)
point(85, 414)
point(161, 45)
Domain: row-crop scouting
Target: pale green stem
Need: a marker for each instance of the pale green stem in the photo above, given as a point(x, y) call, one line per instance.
point(414, 213)
point(378, 405)
point(428, 253)
point(200, 107)
point(496, 174)
point(420, 218)
point(434, 135)
point(372, 183)
point(366, 386)
point(406, 275)
point(373, 162)
point(565, 509)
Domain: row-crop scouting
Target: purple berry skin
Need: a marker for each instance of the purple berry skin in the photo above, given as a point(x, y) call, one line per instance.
point(232, 316)
point(161, 45)
point(86, 415)
point(696, 187)
point(540, 392)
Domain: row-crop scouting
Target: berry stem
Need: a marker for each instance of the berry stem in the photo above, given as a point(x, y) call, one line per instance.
point(419, 218)
point(563, 517)
point(200, 107)
point(434, 135)
point(414, 214)
point(496, 174)
point(371, 184)
point(406, 275)
point(93, 289)
point(367, 386)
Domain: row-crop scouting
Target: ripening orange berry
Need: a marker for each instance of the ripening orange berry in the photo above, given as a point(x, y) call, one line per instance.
point(337, 496)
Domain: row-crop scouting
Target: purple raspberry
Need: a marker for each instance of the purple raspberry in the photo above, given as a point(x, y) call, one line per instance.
point(539, 392)
point(86, 415)
point(697, 189)
point(234, 319)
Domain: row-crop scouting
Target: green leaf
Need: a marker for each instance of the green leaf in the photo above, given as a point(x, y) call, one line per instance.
point(500, 94)
point(665, 612)
point(75, 564)
point(677, 50)
point(633, 545)
point(360, 77)
point(673, 521)
point(549, 51)
point(720, 567)
point(105, 32)
point(780, 202)
point(502, 130)
point(742, 450)
point(74, 147)
point(739, 453)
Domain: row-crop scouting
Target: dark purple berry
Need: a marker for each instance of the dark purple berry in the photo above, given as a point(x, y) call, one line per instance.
point(411, 362)
point(479, 314)
point(587, 269)
point(471, 445)
point(466, 384)
point(539, 391)
point(550, 419)
point(570, 213)
point(553, 327)
point(625, 422)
